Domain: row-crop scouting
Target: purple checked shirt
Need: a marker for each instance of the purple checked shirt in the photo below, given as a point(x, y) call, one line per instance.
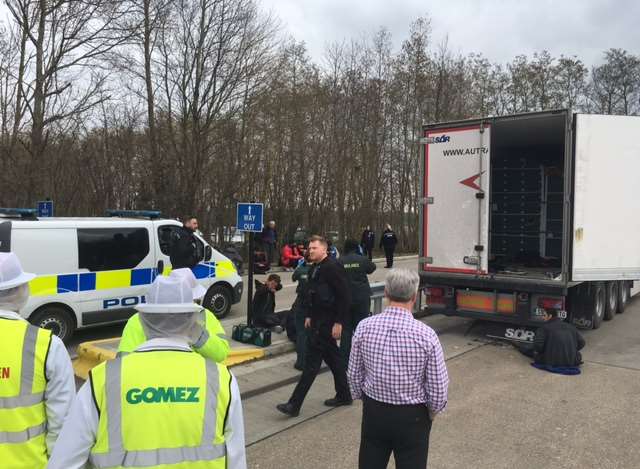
point(398, 360)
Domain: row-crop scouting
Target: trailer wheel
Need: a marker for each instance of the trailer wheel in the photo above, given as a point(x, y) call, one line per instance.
point(595, 303)
point(611, 307)
point(624, 294)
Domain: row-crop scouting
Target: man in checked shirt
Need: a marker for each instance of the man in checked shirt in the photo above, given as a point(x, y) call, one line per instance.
point(397, 368)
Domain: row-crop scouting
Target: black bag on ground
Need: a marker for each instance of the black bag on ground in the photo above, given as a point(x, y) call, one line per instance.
point(258, 336)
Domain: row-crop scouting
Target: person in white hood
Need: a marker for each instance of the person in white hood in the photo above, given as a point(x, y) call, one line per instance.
point(36, 378)
point(162, 405)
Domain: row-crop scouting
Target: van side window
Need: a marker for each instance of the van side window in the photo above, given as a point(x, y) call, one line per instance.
point(112, 248)
point(166, 237)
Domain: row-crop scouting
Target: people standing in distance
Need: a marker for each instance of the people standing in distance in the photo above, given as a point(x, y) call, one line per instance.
point(357, 268)
point(397, 368)
point(388, 242)
point(368, 241)
point(163, 405)
point(329, 299)
point(184, 245)
point(269, 238)
point(37, 384)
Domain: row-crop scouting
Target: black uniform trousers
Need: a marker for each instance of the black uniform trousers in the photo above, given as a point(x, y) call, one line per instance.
point(388, 252)
point(321, 346)
point(401, 429)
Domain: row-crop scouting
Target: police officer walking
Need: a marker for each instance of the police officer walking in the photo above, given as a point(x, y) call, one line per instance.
point(329, 300)
point(162, 405)
point(357, 268)
point(36, 378)
point(388, 242)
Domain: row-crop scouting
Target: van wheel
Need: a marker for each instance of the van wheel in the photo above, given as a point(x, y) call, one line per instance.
point(218, 301)
point(55, 318)
point(612, 300)
point(595, 303)
point(624, 294)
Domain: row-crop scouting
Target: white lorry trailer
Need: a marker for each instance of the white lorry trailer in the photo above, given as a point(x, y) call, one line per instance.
point(531, 212)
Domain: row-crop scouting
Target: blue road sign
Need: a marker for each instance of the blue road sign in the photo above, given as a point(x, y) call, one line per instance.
point(45, 208)
point(250, 217)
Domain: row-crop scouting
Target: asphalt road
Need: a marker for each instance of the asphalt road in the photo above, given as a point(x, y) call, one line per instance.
point(502, 412)
point(284, 300)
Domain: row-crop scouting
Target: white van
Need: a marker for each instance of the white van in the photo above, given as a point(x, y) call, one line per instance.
point(95, 270)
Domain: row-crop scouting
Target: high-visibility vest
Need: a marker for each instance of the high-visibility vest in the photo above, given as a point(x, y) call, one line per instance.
point(161, 408)
point(23, 418)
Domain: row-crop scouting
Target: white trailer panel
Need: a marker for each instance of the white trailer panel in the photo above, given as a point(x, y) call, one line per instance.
point(456, 219)
point(606, 212)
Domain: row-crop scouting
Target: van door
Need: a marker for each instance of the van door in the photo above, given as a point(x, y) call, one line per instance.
point(456, 199)
point(116, 265)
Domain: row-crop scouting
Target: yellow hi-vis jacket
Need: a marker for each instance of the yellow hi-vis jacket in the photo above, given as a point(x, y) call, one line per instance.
point(23, 418)
point(161, 409)
point(215, 346)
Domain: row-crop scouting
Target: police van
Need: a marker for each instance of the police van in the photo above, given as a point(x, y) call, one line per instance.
point(94, 271)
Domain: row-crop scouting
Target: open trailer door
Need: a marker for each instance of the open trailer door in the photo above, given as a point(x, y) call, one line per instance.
point(456, 199)
point(606, 226)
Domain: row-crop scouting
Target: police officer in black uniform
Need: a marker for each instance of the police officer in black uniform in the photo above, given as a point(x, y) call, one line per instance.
point(184, 246)
point(357, 268)
point(329, 300)
point(388, 242)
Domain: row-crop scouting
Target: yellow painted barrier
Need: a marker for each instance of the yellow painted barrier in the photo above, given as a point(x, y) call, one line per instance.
point(95, 352)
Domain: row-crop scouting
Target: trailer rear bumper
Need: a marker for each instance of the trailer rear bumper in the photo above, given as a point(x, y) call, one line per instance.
point(503, 283)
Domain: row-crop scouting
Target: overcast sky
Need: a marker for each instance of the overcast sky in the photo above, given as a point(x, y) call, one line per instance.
point(499, 29)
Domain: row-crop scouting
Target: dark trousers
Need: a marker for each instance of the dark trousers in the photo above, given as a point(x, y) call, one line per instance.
point(388, 252)
point(301, 332)
point(368, 251)
point(401, 429)
point(357, 312)
point(270, 250)
point(321, 346)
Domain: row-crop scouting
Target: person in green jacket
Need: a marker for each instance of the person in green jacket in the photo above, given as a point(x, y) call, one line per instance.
point(207, 337)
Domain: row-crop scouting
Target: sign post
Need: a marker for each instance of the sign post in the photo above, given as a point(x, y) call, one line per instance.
point(250, 220)
point(45, 208)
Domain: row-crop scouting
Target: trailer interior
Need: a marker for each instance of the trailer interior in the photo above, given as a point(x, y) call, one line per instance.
point(527, 190)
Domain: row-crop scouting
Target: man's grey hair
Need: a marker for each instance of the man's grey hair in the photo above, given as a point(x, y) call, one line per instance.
point(401, 285)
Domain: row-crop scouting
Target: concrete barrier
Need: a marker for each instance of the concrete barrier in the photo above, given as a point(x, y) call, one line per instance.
point(92, 353)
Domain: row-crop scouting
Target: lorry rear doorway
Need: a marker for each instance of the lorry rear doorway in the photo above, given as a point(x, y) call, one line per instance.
point(527, 192)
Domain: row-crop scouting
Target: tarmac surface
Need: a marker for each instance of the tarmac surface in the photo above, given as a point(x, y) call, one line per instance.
point(502, 412)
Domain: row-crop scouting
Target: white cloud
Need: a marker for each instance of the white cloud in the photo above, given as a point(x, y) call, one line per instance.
point(499, 29)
